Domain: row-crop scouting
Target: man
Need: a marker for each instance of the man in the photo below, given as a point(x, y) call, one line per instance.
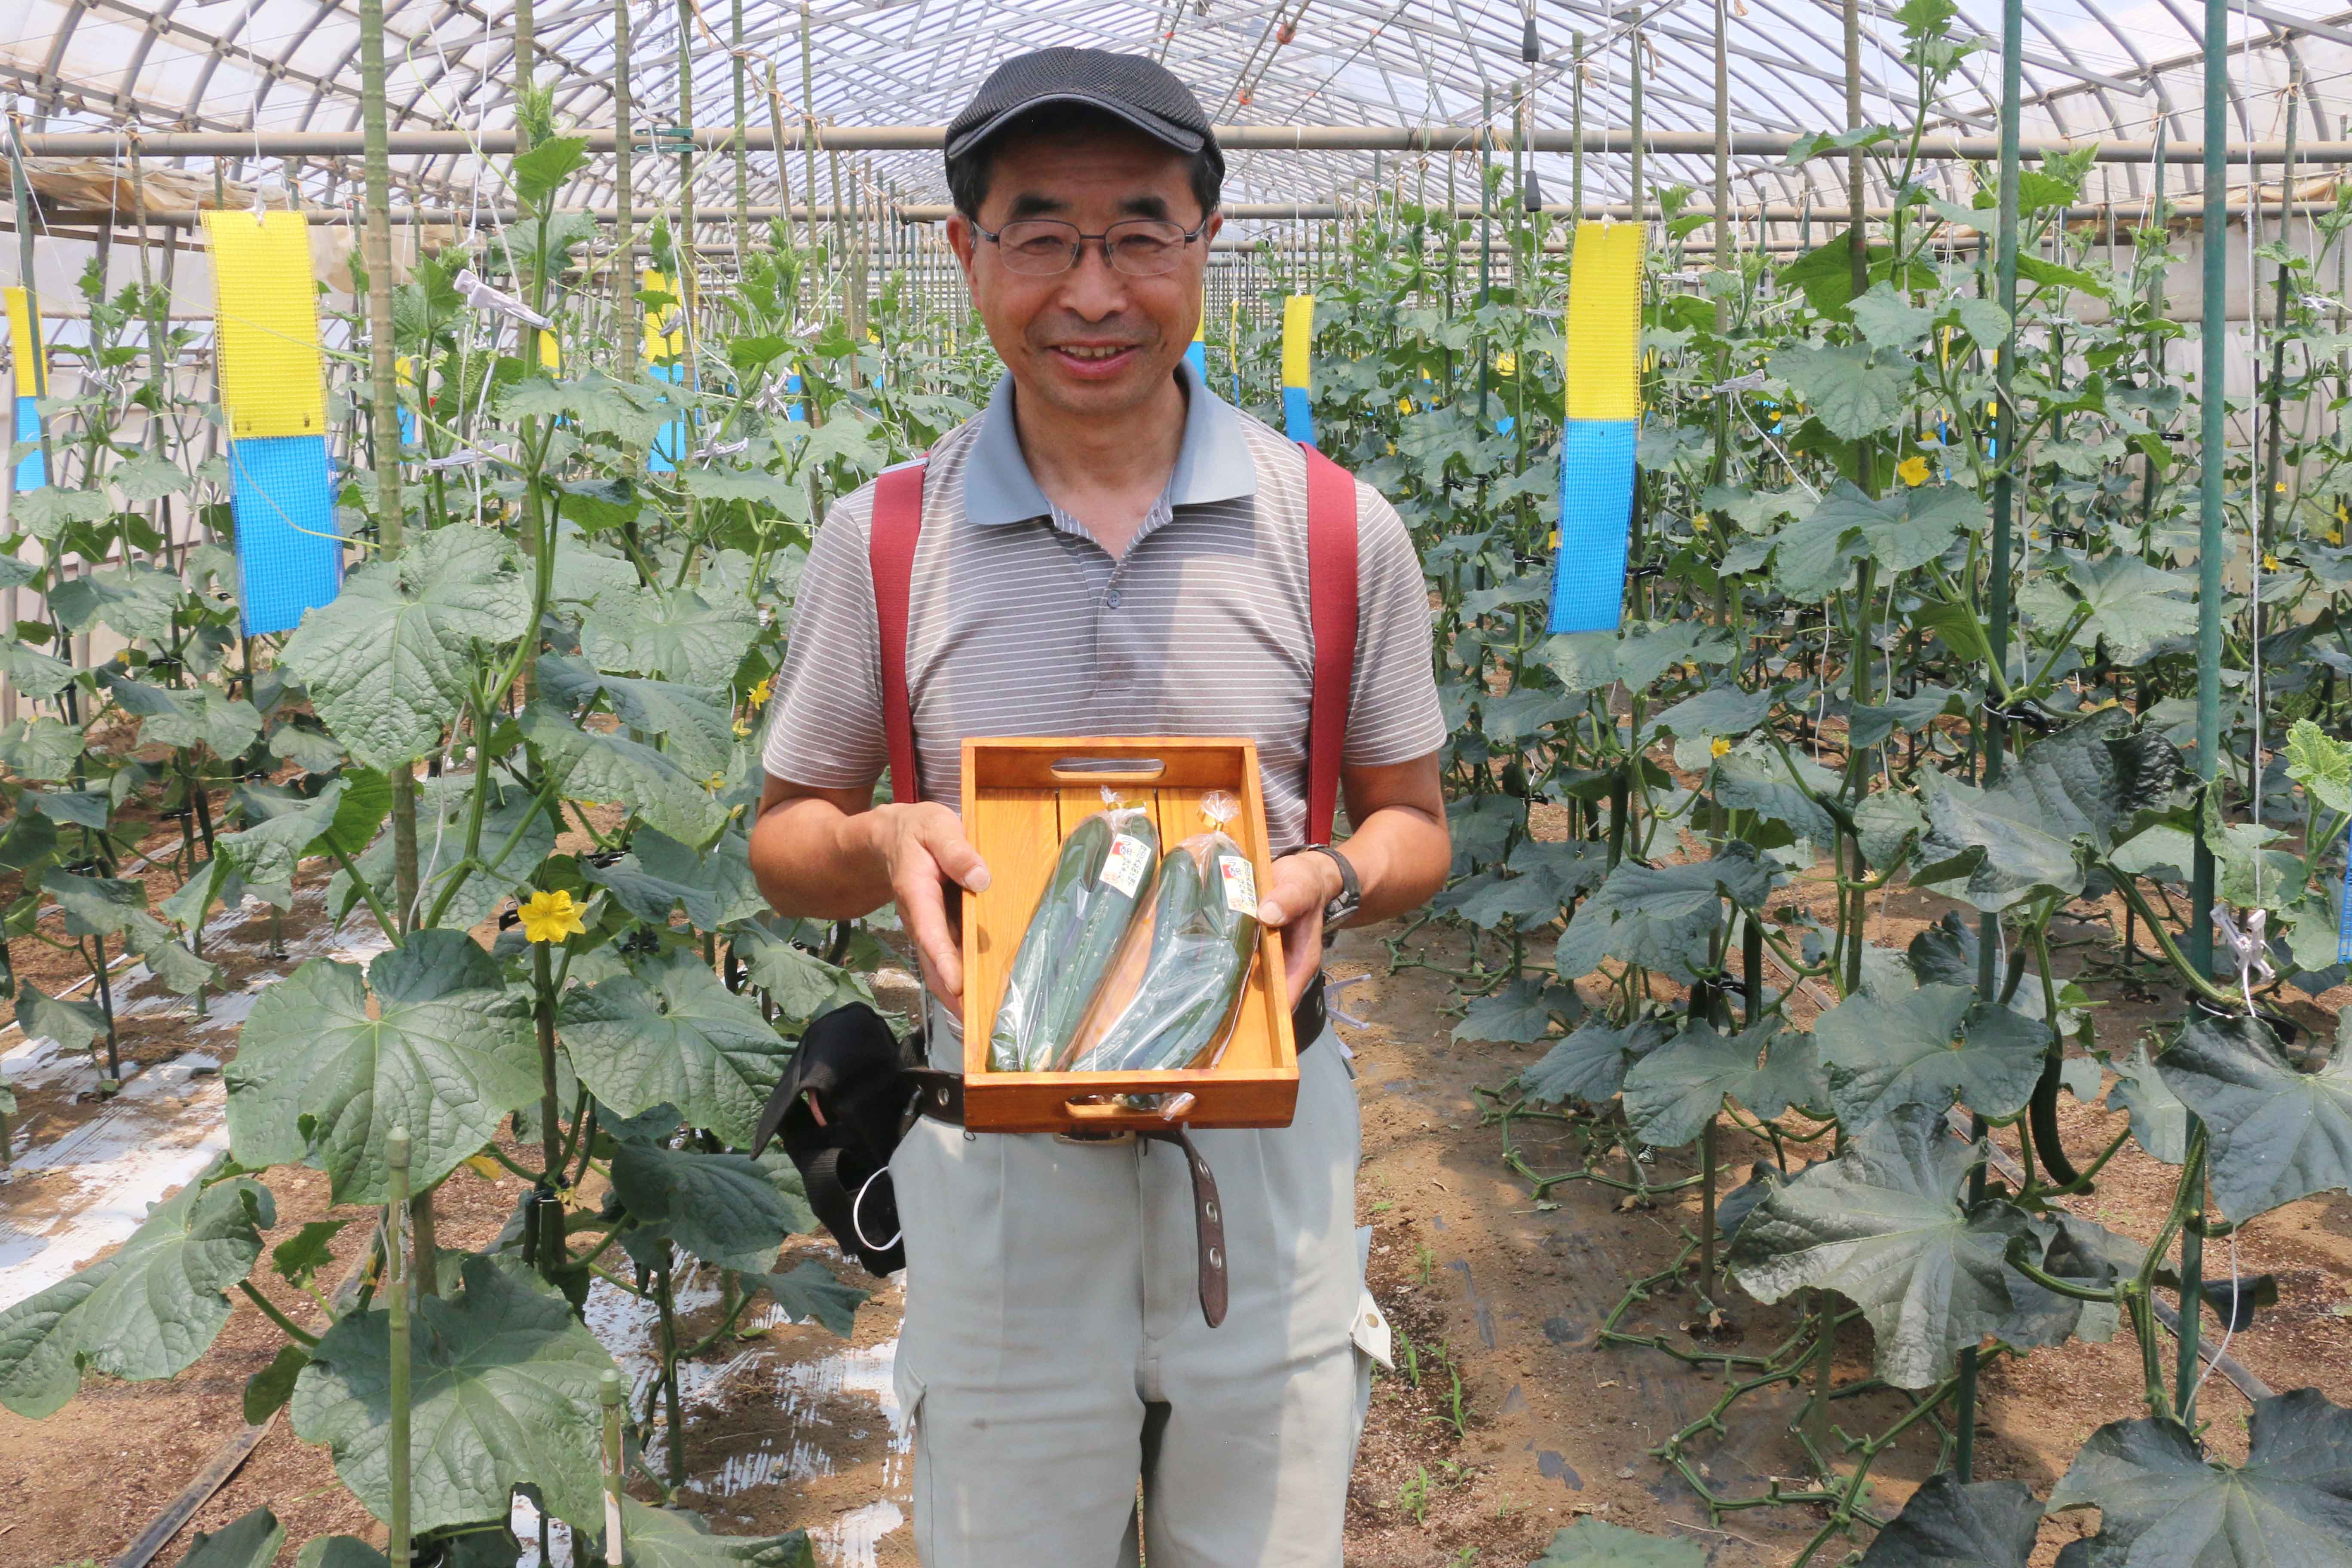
point(1109, 548)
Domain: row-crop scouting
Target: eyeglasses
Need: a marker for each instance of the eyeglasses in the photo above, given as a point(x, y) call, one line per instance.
point(1139, 246)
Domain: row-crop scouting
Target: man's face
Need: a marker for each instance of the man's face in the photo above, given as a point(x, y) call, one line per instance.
point(1091, 340)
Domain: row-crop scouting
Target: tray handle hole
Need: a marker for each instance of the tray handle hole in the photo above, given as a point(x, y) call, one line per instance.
point(1107, 768)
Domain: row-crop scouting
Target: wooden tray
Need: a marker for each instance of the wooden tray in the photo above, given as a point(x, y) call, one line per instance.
point(1021, 797)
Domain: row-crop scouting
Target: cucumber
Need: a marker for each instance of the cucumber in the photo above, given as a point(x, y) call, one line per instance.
point(1071, 938)
point(1198, 960)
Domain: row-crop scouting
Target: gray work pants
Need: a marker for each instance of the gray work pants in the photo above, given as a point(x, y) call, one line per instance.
point(1053, 1352)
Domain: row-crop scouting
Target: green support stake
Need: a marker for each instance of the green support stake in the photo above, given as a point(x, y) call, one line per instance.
point(2211, 439)
point(395, 1301)
point(608, 1395)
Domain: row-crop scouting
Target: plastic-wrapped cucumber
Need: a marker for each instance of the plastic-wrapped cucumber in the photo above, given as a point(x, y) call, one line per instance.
point(1172, 1002)
point(1099, 881)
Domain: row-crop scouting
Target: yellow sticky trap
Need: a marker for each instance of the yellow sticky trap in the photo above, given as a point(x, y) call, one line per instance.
point(1506, 364)
point(29, 367)
point(550, 356)
point(266, 306)
point(1604, 322)
point(1297, 337)
point(490, 1170)
point(658, 344)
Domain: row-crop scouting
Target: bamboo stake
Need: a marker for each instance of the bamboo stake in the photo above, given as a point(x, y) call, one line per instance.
point(743, 151)
point(809, 142)
point(624, 239)
point(395, 1301)
point(608, 1395)
point(375, 244)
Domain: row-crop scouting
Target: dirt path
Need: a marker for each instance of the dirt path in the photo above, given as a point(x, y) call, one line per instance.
point(794, 1428)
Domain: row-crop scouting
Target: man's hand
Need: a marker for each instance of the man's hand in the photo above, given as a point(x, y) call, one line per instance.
point(925, 850)
point(1303, 884)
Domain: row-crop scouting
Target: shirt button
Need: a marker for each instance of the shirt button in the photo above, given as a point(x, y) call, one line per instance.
point(1111, 598)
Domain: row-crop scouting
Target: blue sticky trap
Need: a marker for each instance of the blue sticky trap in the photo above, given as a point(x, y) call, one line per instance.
point(1298, 415)
point(2344, 920)
point(32, 473)
point(669, 448)
point(289, 558)
point(794, 389)
point(1596, 511)
point(407, 427)
point(1506, 424)
point(1199, 354)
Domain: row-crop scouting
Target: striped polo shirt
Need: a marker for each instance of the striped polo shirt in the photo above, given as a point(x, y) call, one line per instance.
point(1020, 624)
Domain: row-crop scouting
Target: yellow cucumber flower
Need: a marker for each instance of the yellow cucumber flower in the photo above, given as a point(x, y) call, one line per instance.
point(1718, 747)
point(551, 917)
point(757, 696)
point(1912, 470)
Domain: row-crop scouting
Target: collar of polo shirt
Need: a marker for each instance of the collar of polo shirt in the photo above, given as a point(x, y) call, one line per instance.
point(1213, 465)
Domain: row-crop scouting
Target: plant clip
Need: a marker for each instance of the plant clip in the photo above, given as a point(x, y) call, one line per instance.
point(1648, 569)
point(2026, 713)
point(483, 296)
point(2287, 1030)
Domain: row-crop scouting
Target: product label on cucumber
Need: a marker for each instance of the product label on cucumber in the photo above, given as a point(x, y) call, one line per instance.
point(1123, 868)
point(1240, 884)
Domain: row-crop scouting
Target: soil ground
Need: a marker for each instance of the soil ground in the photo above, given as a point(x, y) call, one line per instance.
point(793, 1428)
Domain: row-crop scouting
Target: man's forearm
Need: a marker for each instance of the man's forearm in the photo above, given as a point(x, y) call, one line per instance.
point(1400, 855)
point(814, 860)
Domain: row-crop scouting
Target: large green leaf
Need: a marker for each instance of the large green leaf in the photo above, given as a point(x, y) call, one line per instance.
point(139, 602)
point(388, 664)
point(685, 1040)
point(677, 636)
point(32, 672)
point(1815, 554)
point(658, 874)
point(1596, 1543)
point(693, 723)
point(1851, 392)
point(1929, 1046)
point(811, 1292)
point(662, 1538)
point(1998, 843)
point(1660, 917)
point(445, 1057)
point(612, 769)
point(2158, 1121)
point(2277, 1134)
point(95, 906)
point(250, 1541)
point(41, 749)
point(721, 1208)
point(147, 1311)
point(2162, 1502)
point(1590, 1064)
point(1718, 711)
point(1882, 1225)
point(504, 1391)
point(517, 835)
point(2131, 606)
point(1672, 1094)
point(1519, 1014)
point(2321, 765)
point(802, 984)
point(1637, 654)
point(1951, 1525)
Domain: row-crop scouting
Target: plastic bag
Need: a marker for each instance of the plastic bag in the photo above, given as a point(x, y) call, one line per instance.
point(1170, 1000)
point(1101, 879)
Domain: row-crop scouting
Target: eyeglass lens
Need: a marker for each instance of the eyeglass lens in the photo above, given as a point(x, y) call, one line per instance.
point(1139, 248)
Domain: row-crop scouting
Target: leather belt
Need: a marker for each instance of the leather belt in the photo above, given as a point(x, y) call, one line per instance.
point(940, 1095)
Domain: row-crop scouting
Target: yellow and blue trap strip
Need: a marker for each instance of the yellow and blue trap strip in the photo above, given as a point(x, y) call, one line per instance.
point(668, 446)
point(289, 557)
point(32, 377)
point(1298, 380)
point(1604, 416)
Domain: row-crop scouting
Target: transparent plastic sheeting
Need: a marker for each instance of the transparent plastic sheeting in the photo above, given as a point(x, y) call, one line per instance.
point(289, 557)
point(32, 472)
point(1604, 415)
point(1297, 377)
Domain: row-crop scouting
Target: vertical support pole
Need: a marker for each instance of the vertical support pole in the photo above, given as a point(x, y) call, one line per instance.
point(1857, 238)
point(1633, 95)
point(688, 274)
point(624, 242)
point(2211, 522)
point(376, 242)
point(608, 1397)
point(395, 1301)
point(808, 133)
point(742, 152)
point(526, 68)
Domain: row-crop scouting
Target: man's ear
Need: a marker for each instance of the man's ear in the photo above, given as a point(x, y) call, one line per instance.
point(1216, 222)
point(961, 239)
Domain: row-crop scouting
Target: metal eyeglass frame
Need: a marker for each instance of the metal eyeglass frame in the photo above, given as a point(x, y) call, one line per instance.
point(1078, 243)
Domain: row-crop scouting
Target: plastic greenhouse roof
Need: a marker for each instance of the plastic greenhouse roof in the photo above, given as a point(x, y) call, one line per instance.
point(2092, 68)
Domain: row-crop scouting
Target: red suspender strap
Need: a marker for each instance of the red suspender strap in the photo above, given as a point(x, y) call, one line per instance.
point(1331, 589)
point(897, 523)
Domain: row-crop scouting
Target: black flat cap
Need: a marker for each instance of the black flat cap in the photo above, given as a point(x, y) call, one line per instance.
point(1143, 92)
